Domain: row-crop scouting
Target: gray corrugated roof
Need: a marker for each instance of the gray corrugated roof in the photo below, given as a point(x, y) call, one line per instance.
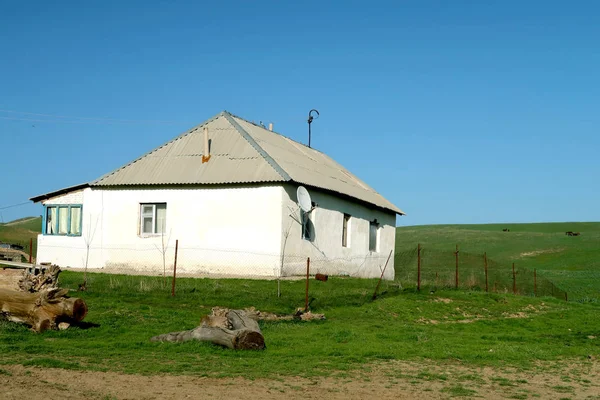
point(241, 152)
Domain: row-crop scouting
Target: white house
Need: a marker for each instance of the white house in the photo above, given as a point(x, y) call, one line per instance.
point(226, 190)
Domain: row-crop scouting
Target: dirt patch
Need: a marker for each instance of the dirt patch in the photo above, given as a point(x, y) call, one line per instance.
point(390, 380)
point(442, 300)
point(538, 252)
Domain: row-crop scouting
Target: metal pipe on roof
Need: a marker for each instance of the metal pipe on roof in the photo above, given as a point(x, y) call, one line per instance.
point(206, 155)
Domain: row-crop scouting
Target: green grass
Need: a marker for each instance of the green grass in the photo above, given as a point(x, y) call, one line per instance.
point(572, 263)
point(127, 310)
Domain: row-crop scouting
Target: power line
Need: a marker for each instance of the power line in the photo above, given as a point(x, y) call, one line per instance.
point(15, 205)
point(63, 118)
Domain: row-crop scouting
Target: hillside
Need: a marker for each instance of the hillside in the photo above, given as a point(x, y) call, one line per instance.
point(572, 263)
point(21, 231)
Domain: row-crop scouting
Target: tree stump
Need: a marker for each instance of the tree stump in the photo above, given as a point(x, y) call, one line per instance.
point(45, 279)
point(42, 310)
point(235, 329)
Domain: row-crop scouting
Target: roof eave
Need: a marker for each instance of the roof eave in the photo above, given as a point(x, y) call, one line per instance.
point(55, 193)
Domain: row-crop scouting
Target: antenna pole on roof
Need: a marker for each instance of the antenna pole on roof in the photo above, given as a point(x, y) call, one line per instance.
point(310, 120)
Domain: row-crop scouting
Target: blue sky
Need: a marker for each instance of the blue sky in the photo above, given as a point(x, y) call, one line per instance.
point(457, 112)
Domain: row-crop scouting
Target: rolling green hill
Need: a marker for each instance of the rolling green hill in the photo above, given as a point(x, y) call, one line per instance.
point(572, 263)
point(21, 231)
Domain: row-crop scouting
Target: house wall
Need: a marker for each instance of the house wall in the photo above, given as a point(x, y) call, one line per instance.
point(231, 230)
point(326, 251)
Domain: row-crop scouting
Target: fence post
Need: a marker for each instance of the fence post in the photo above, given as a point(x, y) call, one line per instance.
point(30, 249)
point(514, 280)
point(307, 272)
point(381, 277)
point(456, 277)
point(174, 268)
point(419, 267)
point(535, 282)
point(486, 271)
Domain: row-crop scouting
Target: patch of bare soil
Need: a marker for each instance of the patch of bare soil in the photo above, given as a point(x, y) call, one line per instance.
point(442, 300)
point(538, 252)
point(390, 380)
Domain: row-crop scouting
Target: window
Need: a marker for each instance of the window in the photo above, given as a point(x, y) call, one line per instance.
point(63, 219)
point(308, 228)
point(345, 231)
point(153, 218)
point(373, 236)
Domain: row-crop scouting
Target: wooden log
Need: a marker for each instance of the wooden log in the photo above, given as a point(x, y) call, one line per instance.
point(236, 329)
point(43, 310)
point(45, 279)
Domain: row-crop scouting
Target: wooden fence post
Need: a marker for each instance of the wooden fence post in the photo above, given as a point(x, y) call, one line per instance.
point(419, 267)
point(174, 268)
point(456, 274)
point(514, 280)
point(485, 263)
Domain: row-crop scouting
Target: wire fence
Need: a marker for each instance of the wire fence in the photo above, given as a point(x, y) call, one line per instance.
point(428, 269)
point(193, 261)
point(420, 267)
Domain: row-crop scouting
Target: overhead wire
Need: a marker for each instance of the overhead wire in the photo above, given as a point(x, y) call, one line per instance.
point(15, 205)
point(22, 116)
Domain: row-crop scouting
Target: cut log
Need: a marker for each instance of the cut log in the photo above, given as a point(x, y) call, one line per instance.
point(45, 279)
point(235, 329)
point(43, 310)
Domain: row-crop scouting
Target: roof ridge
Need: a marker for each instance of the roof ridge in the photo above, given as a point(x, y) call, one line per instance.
point(273, 132)
point(230, 118)
point(195, 128)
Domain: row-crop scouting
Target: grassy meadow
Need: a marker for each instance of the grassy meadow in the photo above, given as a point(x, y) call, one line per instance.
point(471, 327)
point(572, 263)
point(443, 326)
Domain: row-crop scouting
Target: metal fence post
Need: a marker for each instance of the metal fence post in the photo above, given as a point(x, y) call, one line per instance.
point(381, 277)
point(174, 268)
point(485, 263)
point(514, 279)
point(30, 249)
point(419, 267)
point(307, 273)
point(456, 277)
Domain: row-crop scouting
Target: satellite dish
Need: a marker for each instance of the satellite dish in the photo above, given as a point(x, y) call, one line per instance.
point(304, 200)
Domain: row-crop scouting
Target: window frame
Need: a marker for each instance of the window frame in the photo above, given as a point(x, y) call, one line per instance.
point(375, 248)
point(308, 224)
point(56, 222)
point(154, 220)
point(346, 224)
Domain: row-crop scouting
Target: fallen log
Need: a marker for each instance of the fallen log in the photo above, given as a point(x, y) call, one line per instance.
point(235, 329)
point(42, 310)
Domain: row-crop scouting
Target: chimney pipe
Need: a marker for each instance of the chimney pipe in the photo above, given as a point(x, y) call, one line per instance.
point(271, 126)
point(206, 155)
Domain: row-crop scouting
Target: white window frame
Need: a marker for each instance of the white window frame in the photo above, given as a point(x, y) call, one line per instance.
point(154, 219)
